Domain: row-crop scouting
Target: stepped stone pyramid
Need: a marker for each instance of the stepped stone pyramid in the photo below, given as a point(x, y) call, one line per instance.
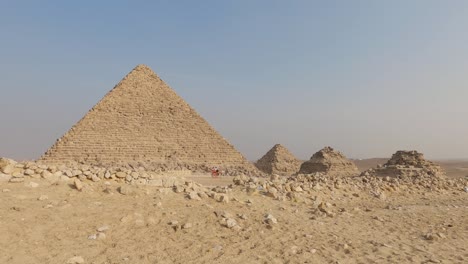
point(142, 120)
point(331, 162)
point(278, 160)
point(407, 164)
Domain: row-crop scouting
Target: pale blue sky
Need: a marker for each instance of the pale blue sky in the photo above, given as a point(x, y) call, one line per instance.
point(366, 77)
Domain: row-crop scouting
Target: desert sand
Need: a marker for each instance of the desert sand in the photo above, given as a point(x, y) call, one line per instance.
point(53, 222)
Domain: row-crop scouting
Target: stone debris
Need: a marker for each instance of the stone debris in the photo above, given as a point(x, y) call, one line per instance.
point(187, 226)
point(76, 260)
point(330, 162)
point(194, 196)
point(78, 185)
point(103, 228)
point(278, 160)
point(126, 190)
point(270, 219)
point(33, 184)
point(43, 198)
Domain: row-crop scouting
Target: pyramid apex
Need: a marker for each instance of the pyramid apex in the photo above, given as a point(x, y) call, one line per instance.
point(142, 67)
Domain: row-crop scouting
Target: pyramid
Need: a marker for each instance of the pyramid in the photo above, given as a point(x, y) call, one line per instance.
point(407, 164)
point(331, 162)
point(142, 120)
point(278, 160)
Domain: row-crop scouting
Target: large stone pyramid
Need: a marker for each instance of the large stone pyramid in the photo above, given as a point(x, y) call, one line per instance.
point(142, 120)
point(331, 162)
point(278, 160)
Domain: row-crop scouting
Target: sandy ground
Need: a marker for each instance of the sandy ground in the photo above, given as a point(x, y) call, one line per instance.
point(364, 230)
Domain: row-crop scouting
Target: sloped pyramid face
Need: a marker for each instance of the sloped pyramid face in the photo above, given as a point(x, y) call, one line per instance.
point(278, 160)
point(329, 161)
point(143, 120)
point(407, 164)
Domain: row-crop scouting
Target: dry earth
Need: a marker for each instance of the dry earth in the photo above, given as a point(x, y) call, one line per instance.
point(53, 223)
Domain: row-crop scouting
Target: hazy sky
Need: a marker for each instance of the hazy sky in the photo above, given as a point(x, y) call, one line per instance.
point(366, 77)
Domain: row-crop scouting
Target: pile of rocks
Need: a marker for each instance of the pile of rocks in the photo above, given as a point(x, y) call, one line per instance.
point(18, 171)
point(407, 164)
point(279, 160)
point(330, 162)
point(303, 187)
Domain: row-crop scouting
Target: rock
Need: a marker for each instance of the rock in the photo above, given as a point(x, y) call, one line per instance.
point(16, 180)
point(194, 196)
point(230, 223)
point(76, 260)
point(222, 198)
point(33, 184)
point(4, 177)
point(78, 185)
point(270, 219)
point(101, 236)
point(29, 172)
point(6, 190)
point(121, 174)
point(8, 169)
point(156, 182)
point(76, 173)
point(92, 237)
point(126, 190)
point(102, 228)
point(429, 236)
point(95, 178)
point(173, 222)
point(43, 198)
point(187, 226)
point(46, 174)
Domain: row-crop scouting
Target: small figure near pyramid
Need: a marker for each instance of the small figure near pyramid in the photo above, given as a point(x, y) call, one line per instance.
point(143, 121)
point(330, 162)
point(407, 164)
point(279, 160)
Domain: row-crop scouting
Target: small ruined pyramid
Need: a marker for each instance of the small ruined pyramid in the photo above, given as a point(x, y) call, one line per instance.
point(278, 160)
point(142, 120)
point(407, 164)
point(330, 162)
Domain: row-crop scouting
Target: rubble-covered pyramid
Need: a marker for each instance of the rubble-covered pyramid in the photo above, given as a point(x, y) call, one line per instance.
point(279, 160)
point(407, 164)
point(142, 120)
point(331, 162)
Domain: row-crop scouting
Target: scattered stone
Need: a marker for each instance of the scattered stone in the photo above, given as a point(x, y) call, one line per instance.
point(126, 190)
point(270, 219)
point(173, 222)
point(187, 226)
point(33, 184)
point(43, 198)
point(102, 228)
point(194, 196)
point(6, 190)
point(76, 260)
point(78, 185)
point(16, 179)
point(101, 236)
